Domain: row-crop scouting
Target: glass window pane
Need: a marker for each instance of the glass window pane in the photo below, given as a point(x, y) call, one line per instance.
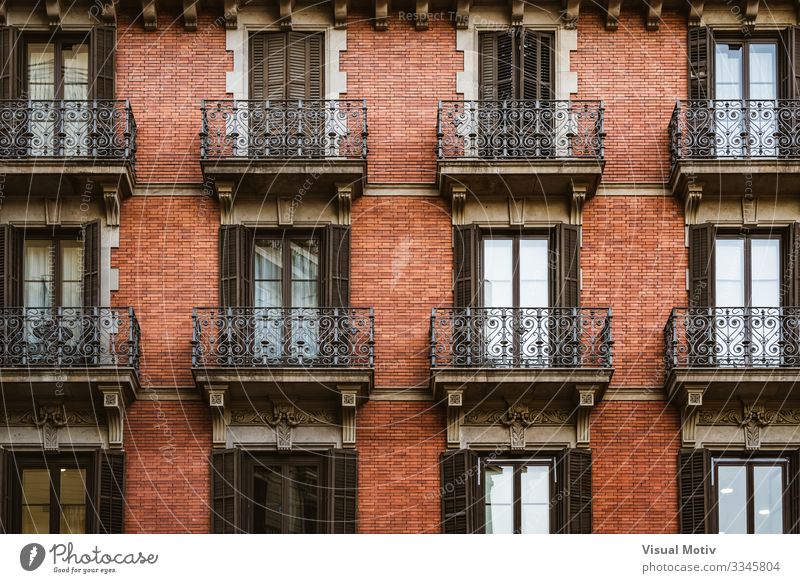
point(305, 259)
point(72, 498)
point(75, 62)
point(768, 499)
point(35, 501)
point(269, 259)
point(41, 71)
point(732, 496)
point(728, 71)
point(498, 272)
point(729, 269)
point(766, 261)
point(533, 273)
point(535, 483)
point(763, 71)
point(302, 484)
point(304, 294)
point(268, 294)
point(267, 501)
point(37, 274)
point(71, 273)
point(499, 499)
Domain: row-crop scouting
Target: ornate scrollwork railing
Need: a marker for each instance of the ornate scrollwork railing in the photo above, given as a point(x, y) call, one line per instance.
point(90, 129)
point(521, 338)
point(711, 337)
point(273, 129)
point(735, 129)
point(282, 337)
point(69, 338)
point(521, 129)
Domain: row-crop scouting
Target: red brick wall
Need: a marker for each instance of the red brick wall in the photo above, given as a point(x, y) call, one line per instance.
point(167, 445)
point(165, 74)
point(639, 74)
point(401, 266)
point(399, 445)
point(402, 73)
point(635, 448)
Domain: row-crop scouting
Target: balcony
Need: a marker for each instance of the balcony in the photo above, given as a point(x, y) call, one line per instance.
point(735, 147)
point(275, 145)
point(261, 351)
point(724, 353)
point(71, 348)
point(530, 147)
point(41, 141)
point(544, 350)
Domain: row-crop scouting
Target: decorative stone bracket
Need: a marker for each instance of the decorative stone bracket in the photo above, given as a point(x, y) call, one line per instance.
point(49, 419)
point(691, 202)
point(586, 397)
point(689, 415)
point(225, 195)
point(458, 194)
point(752, 419)
point(455, 416)
point(577, 200)
point(114, 405)
point(112, 204)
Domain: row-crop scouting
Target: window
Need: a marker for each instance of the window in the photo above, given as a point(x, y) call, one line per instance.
point(286, 65)
point(57, 68)
point(516, 64)
point(287, 272)
point(286, 496)
point(53, 272)
point(517, 497)
point(746, 69)
point(750, 495)
point(515, 272)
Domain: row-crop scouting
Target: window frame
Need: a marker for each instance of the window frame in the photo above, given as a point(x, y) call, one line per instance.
point(519, 461)
point(287, 235)
point(756, 37)
point(760, 459)
point(748, 235)
point(58, 41)
point(56, 237)
point(306, 33)
point(516, 236)
point(517, 34)
point(27, 460)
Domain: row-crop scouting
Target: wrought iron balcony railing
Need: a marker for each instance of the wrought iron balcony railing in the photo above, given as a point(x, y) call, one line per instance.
point(521, 338)
point(90, 129)
point(282, 337)
point(737, 337)
point(735, 129)
point(69, 338)
point(531, 130)
point(273, 129)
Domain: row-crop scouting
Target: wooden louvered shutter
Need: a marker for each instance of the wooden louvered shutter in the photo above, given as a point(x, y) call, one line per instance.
point(342, 491)
point(10, 63)
point(496, 75)
point(110, 492)
point(537, 68)
point(11, 249)
point(337, 266)
point(226, 492)
point(565, 247)
point(5, 490)
point(275, 65)
point(235, 266)
point(91, 264)
point(701, 64)
point(789, 63)
point(460, 505)
point(694, 486)
point(257, 53)
point(466, 267)
point(304, 66)
point(574, 489)
point(701, 265)
point(103, 47)
point(794, 493)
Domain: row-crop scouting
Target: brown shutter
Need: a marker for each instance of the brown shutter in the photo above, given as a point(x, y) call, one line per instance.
point(5, 490)
point(574, 491)
point(257, 66)
point(110, 492)
point(789, 63)
point(304, 66)
point(235, 266)
point(460, 492)
point(701, 265)
point(226, 493)
point(275, 65)
point(11, 249)
point(337, 266)
point(10, 63)
point(565, 250)
point(103, 47)
point(701, 63)
point(497, 67)
point(342, 487)
point(694, 486)
point(790, 293)
point(794, 493)
point(537, 66)
point(91, 264)
point(466, 266)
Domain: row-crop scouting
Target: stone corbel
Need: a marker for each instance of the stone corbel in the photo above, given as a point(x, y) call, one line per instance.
point(344, 196)
point(53, 8)
point(462, 14)
point(225, 195)
point(231, 14)
point(149, 15)
point(749, 209)
point(569, 13)
point(586, 396)
point(421, 15)
point(750, 13)
point(458, 196)
point(696, 12)
point(220, 414)
point(690, 413)
point(691, 202)
point(190, 15)
point(754, 418)
point(52, 211)
point(286, 10)
point(516, 211)
point(381, 14)
point(577, 200)
point(612, 14)
point(285, 211)
point(340, 14)
point(112, 204)
point(455, 415)
point(114, 406)
point(349, 402)
point(653, 16)
point(49, 419)
point(517, 11)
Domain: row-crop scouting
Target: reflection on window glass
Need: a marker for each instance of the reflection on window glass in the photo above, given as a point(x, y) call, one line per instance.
point(41, 71)
point(499, 499)
point(302, 487)
point(72, 498)
point(305, 270)
point(535, 484)
point(35, 501)
point(498, 273)
point(268, 273)
point(533, 273)
point(762, 71)
point(768, 499)
point(766, 270)
point(729, 269)
point(286, 499)
point(732, 496)
point(728, 71)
